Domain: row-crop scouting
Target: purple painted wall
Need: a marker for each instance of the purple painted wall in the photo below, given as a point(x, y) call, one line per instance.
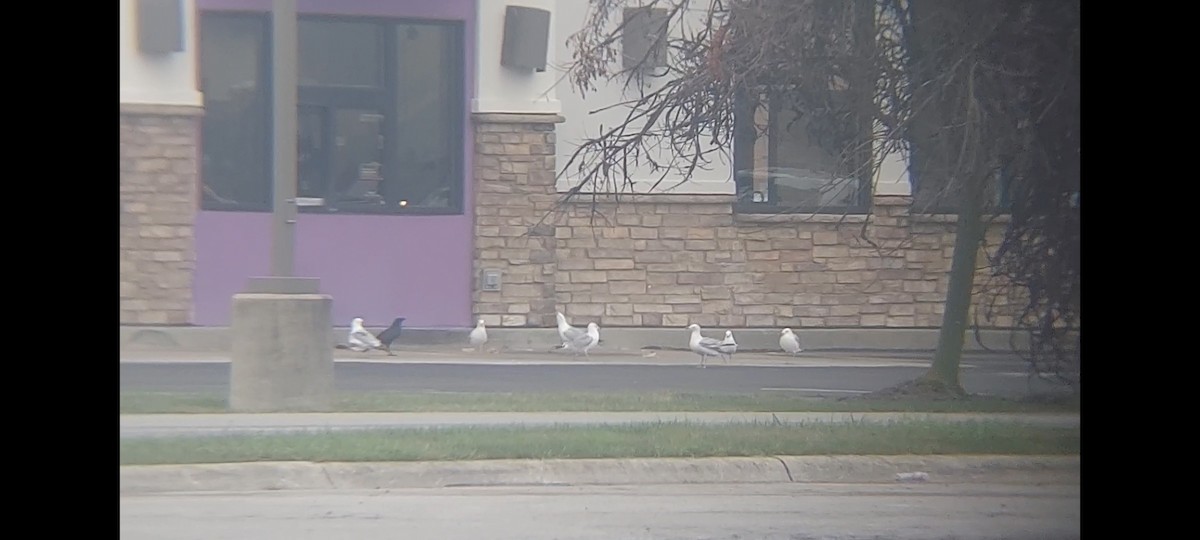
point(422, 272)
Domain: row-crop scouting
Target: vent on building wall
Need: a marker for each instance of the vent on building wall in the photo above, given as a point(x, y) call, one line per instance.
point(644, 38)
point(160, 26)
point(526, 38)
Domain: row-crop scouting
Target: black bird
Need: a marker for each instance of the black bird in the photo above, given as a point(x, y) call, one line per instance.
point(388, 336)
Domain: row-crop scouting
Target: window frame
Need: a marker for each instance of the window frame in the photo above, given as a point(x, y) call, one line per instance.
point(744, 205)
point(1000, 205)
point(385, 99)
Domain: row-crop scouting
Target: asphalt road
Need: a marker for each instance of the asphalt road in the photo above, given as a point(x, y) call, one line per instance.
point(992, 376)
point(685, 511)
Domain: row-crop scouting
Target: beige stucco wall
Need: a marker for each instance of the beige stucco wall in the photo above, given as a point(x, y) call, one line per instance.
point(168, 79)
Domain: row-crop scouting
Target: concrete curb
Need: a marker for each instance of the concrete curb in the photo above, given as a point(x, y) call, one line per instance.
point(270, 476)
point(1000, 469)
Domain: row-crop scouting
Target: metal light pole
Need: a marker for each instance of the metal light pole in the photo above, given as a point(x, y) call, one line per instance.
point(283, 89)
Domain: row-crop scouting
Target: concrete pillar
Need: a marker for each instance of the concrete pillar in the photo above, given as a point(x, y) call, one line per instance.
point(282, 352)
point(282, 347)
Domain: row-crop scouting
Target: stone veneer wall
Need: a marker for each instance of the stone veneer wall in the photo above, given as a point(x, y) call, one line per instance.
point(666, 260)
point(514, 188)
point(672, 260)
point(159, 147)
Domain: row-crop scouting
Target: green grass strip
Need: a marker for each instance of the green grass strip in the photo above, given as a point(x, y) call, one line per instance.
point(627, 441)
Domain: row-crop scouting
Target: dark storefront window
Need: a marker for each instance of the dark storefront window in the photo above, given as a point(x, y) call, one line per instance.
point(380, 116)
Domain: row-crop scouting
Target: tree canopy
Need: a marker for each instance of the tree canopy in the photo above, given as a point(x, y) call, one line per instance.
point(981, 97)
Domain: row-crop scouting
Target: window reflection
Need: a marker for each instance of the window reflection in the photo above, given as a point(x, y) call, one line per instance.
point(426, 120)
point(785, 162)
point(340, 53)
point(235, 127)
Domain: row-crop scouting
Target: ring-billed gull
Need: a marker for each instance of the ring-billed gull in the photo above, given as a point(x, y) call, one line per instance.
point(567, 332)
point(479, 335)
point(584, 340)
point(360, 339)
point(728, 346)
point(705, 347)
point(789, 341)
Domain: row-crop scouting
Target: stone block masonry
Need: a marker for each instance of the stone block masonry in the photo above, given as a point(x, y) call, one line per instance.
point(672, 260)
point(514, 190)
point(158, 208)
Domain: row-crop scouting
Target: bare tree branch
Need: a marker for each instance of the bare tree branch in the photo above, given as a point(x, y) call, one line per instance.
point(982, 97)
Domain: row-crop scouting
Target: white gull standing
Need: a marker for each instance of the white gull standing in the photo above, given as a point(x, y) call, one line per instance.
point(567, 332)
point(728, 346)
point(360, 339)
point(789, 342)
point(703, 346)
point(479, 336)
point(584, 340)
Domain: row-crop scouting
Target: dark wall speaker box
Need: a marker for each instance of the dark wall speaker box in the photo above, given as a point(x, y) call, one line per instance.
point(526, 37)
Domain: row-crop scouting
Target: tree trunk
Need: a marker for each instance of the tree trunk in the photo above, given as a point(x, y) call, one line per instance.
point(952, 336)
